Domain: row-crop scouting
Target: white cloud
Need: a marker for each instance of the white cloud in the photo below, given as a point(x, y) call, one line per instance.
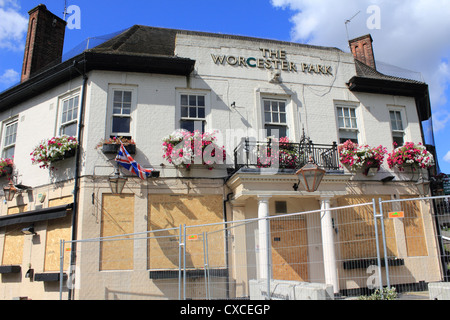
point(447, 157)
point(13, 26)
point(412, 35)
point(9, 77)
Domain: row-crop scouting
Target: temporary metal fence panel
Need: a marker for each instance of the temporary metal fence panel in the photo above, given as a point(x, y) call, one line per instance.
point(126, 267)
point(356, 248)
point(417, 241)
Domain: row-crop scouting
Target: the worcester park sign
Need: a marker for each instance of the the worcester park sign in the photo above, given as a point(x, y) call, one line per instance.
point(271, 60)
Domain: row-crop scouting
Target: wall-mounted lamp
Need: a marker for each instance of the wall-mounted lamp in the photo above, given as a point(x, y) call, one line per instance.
point(311, 175)
point(30, 272)
point(10, 191)
point(29, 230)
point(117, 182)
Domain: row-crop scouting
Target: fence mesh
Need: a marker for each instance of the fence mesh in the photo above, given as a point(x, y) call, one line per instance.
point(356, 248)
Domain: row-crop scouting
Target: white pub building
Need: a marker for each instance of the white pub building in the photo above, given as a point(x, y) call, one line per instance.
point(145, 84)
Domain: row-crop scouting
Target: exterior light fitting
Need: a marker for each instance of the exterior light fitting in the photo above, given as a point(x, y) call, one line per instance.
point(311, 175)
point(10, 191)
point(117, 182)
point(29, 230)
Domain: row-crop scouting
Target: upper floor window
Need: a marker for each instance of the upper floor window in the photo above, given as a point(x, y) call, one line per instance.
point(397, 127)
point(69, 116)
point(193, 112)
point(275, 117)
point(121, 111)
point(9, 139)
point(348, 124)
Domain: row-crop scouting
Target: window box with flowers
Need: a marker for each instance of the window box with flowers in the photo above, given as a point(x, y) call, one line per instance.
point(410, 156)
point(184, 149)
point(49, 151)
point(6, 167)
point(361, 158)
point(112, 145)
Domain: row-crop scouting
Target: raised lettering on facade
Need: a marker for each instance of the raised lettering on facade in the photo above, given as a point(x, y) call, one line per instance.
point(271, 60)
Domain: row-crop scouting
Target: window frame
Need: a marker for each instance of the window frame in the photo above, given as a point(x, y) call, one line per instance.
point(347, 132)
point(112, 114)
point(64, 124)
point(199, 123)
point(271, 125)
point(8, 123)
point(396, 133)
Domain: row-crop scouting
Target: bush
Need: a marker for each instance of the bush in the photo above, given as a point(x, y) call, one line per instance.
point(386, 294)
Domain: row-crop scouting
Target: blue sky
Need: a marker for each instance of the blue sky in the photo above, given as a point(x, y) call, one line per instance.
point(411, 34)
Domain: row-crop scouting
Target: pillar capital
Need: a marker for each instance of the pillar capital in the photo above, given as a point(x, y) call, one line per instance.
point(326, 198)
point(263, 198)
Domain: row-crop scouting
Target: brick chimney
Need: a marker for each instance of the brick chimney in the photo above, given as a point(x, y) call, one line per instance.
point(45, 41)
point(362, 50)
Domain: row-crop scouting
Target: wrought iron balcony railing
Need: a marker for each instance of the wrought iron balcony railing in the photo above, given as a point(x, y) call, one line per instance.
point(280, 155)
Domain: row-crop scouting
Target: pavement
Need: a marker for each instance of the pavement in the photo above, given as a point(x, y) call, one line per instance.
point(422, 295)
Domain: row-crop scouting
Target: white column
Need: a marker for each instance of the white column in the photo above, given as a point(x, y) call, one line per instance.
point(264, 237)
point(329, 254)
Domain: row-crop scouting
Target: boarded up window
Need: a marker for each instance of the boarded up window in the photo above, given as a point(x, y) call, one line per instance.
point(289, 249)
point(18, 209)
point(57, 230)
point(117, 219)
point(356, 227)
point(13, 245)
point(414, 229)
point(14, 240)
point(171, 211)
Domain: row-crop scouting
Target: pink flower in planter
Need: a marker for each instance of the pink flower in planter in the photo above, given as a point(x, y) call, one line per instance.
point(410, 154)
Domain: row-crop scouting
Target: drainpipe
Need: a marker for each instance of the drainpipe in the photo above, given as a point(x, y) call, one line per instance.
point(77, 176)
point(227, 263)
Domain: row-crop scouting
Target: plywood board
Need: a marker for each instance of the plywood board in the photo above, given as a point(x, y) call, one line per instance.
point(171, 211)
point(18, 209)
point(414, 229)
point(117, 219)
point(357, 238)
point(13, 245)
point(289, 249)
point(60, 201)
point(57, 230)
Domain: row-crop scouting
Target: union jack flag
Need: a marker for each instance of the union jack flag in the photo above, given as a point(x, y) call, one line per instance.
point(125, 160)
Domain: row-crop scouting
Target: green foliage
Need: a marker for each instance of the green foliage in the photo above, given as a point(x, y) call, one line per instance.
point(386, 294)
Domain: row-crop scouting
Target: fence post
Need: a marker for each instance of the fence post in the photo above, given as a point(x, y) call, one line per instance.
point(61, 267)
point(206, 263)
point(184, 262)
point(268, 257)
point(386, 262)
point(180, 245)
point(375, 216)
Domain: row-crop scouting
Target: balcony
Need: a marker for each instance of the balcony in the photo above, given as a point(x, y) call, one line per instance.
point(285, 157)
